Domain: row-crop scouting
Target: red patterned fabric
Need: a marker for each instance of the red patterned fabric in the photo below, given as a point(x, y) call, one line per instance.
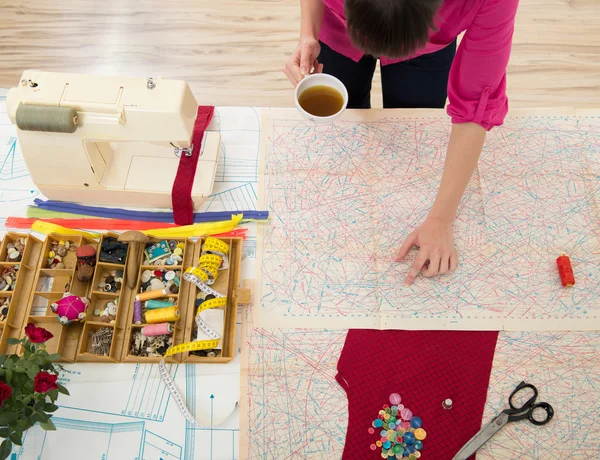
point(425, 368)
point(181, 193)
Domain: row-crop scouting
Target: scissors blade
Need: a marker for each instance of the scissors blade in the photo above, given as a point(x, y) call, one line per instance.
point(482, 437)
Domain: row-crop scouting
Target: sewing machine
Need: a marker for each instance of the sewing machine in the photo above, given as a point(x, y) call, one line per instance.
point(109, 140)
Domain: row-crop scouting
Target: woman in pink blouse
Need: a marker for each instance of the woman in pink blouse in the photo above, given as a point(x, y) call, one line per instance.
point(415, 41)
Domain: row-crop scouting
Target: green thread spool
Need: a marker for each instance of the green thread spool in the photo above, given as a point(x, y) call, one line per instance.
point(48, 119)
point(154, 304)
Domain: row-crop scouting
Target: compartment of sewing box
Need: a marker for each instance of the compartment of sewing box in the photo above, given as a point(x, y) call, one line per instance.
point(16, 300)
point(181, 299)
point(99, 300)
point(51, 282)
point(226, 283)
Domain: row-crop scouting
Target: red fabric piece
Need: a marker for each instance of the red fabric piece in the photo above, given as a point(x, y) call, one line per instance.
point(425, 368)
point(181, 193)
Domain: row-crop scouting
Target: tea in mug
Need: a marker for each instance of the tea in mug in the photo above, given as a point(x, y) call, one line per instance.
point(321, 100)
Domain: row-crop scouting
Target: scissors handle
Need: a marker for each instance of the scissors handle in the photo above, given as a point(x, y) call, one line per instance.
point(525, 410)
point(520, 387)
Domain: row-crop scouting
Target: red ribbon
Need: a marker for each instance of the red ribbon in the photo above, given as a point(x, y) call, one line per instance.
point(181, 194)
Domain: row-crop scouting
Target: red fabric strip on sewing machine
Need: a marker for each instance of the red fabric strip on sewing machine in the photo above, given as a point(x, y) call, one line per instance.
point(181, 193)
point(424, 368)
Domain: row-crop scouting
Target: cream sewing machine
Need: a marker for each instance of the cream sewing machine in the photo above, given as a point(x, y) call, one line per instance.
point(109, 140)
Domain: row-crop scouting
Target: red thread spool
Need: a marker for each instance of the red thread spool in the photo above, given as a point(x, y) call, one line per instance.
point(565, 271)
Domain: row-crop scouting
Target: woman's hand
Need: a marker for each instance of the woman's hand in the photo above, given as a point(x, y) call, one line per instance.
point(436, 249)
point(303, 60)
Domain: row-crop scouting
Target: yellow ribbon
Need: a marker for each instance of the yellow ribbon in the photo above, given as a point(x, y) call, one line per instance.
point(186, 231)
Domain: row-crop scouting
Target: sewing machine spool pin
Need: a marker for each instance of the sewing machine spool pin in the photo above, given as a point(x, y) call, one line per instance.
point(109, 140)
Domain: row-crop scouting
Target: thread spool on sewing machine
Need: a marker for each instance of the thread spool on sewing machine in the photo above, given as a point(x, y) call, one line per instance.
point(109, 140)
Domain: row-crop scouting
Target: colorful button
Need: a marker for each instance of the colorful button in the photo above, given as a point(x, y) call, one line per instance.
point(397, 449)
point(417, 454)
point(378, 443)
point(412, 457)
point(420, 434)
point(373, 446)
point(409, 438)
point(401, 431)
point(383, 439)
point(395, 399)
point(387, 444)
point(392, 425)
point(371, 430)
point(406, 414)
point(416, 422)
point(394, 410)
point(418, 445)
point(378, 423)
point(383, 434)
point(392, 419)
point(386, 417)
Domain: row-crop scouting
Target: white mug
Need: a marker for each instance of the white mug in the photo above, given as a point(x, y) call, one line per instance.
point(317, 79)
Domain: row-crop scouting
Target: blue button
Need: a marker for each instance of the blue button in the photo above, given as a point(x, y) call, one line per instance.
point(387, 444)
point(378, 423)
point(418, 445)
point(409, 438)
point(416, 422)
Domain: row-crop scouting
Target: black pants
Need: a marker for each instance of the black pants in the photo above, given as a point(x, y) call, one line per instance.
point(421, 82)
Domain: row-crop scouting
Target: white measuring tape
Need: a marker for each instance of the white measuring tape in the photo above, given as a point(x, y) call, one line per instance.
point(191, 346)
point(213, 251)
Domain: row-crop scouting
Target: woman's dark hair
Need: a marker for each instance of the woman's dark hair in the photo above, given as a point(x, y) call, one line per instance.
point(391, 28)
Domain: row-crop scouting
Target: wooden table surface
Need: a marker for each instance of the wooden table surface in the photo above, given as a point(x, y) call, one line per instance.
point(231, 51)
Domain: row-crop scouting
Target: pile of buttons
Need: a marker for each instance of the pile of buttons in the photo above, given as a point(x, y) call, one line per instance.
point(111, 281)
point(164, 253)
point(400, 435)
point(14, 251)
point(8, 278)
point(159, 279)
point(58, 251)
point(109, 314)
point(4, 303)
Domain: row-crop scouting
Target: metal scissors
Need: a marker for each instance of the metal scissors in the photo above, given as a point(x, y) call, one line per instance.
point(515, 413)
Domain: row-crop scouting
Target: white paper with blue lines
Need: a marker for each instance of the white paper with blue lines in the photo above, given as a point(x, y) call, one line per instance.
point(123, 411)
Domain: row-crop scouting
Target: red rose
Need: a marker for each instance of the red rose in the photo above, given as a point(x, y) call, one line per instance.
point(44, 382)
point(5, 391)
point(37, 334)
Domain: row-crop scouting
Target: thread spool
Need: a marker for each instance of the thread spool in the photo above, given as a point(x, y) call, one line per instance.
point(153, 330)
point(565, 271)
point(447, 404)
point(154, 304)
point(48, 119)
point(149, 295)
point(137, 312)
point(162, 315)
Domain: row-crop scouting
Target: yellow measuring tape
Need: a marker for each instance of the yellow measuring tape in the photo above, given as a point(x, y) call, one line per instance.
point(201, 344)
point(213, 251)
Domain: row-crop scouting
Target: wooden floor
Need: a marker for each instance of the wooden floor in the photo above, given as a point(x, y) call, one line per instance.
point(231, 51)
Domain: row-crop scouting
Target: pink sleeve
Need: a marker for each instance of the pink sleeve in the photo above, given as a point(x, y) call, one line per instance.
point(477, 82)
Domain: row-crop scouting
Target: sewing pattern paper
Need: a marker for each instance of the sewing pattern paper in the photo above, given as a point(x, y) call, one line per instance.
point(344, 197)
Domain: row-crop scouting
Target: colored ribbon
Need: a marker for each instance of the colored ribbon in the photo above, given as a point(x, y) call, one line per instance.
point(175, 232)
point(152, 216)
point(181, 194)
